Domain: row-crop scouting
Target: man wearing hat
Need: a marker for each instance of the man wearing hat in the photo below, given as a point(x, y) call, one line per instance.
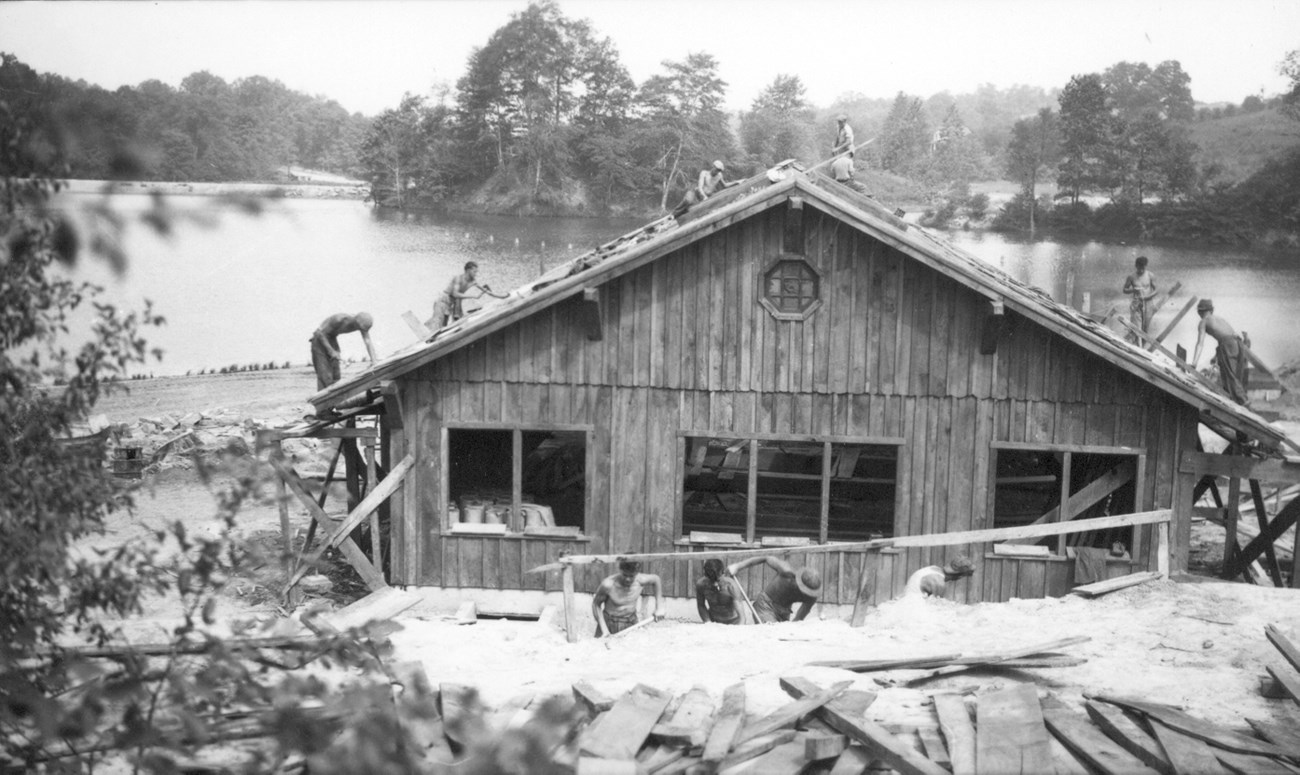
point(931, 581)
point(790, 587)
point(1230, 356)
point(843, 137)
point(710, 180)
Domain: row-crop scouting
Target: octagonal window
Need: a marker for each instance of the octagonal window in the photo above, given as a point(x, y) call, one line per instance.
point(791, 289)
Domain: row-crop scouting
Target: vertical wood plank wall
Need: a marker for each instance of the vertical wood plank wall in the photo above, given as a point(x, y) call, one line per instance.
point(893, 351)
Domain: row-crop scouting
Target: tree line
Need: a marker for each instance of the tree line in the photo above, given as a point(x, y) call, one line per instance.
point(205, 130)
point(1123, 135)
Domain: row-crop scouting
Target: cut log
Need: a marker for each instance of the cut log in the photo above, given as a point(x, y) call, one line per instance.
point(1099, 588)
point(955, 723)
point(1090, 744)
point(726, 725)
point(626, 726)
point(1009, 732)
point(879, 743)
point(1129, 736)
point(787, 715)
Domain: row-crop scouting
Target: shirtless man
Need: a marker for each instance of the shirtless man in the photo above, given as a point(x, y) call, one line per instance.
point(931, 581)
point(615, 603)
point(1230, 355)
point(711, 179)
point(325, 355)
point(1141, 287)
point(449, 306)
point(790, 588)
point(719, 597)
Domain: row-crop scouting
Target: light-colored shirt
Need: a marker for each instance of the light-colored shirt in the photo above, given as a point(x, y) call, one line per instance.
point(843, 139)
point(927, 582)
point(842, 168)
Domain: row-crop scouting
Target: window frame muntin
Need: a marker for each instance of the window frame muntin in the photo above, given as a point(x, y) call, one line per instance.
point(771, 308)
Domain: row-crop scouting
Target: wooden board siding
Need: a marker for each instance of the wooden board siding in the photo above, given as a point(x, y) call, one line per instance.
point(893, 351)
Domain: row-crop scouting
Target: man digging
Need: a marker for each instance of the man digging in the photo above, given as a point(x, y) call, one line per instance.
point(791, 587)
point(615, 603)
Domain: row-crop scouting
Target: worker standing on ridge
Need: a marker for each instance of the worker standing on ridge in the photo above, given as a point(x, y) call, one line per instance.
point(790, 587)
point(931, 581)
point(710, 180)
point(843, 137)
point(718, 596)
point(325, 355)
point(449, 306)
point(1230, 355)
point(615, 603)
point(1141, 287)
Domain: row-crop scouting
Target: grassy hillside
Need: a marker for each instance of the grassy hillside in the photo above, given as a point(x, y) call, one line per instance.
point(1241, 144)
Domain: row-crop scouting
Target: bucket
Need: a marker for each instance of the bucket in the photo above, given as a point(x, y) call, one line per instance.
point(453, 513)
point(495, 515)
point(537, 515)
point(473, 513)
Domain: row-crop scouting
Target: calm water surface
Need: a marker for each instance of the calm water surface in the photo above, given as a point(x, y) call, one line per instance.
point(252, 289)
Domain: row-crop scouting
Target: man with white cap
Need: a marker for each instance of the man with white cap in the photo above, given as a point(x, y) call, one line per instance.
point(710, 180)
point(843, 137)
point(931, 581)
point(790, 588)
point(325, 355)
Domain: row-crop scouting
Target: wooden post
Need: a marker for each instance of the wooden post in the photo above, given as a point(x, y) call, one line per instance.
point(1162, 549)
point(866, 586)
point(1295, 560)
point(1069, 288)
point(282, 498)
point(1230, 525)
point(570, 610)
point(376, 549)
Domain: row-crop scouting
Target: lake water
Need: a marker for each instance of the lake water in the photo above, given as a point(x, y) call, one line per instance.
point(252, 289)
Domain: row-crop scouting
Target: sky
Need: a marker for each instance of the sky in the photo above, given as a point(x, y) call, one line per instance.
point(366, 55)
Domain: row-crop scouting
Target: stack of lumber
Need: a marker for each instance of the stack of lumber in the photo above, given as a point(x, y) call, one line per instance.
point(825, 728)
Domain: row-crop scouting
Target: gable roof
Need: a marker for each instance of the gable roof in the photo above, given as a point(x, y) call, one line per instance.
point(773, 188)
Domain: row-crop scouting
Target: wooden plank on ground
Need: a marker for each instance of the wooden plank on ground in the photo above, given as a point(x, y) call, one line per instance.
point(854, 761)
point(955, 723)
point(1241, 764)
point(626, 726)
point(594, 700)
point(380, 605)
point(966, 663)
point(1090, 743)
point(1131, 737)
point(1285, 737)
point(591, 765)
point(1009, 732)
point(876, 665)
point(788, 714)
point(1198, 728)
point(879, 742)
point(656, 757)
point(1185, 754)
point(821, 746)
point(1099, 588)
point(1283, 644)
point(726, 725)
point(695, 713)
point(1066, 762)
point(932, 742)
point(785, 759)
point(1287, 679)
point(753, 748)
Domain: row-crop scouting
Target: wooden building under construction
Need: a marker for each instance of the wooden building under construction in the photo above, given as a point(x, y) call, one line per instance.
point(791, 364)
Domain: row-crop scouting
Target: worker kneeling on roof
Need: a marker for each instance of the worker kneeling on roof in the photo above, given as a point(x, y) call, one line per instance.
point(933, 580)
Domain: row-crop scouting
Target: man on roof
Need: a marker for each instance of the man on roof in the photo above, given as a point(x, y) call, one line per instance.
point(449, 305)
point(615, 603)
point(933, 580)
point(790, 588)
point(843, 137)
point(325, 355)
point(1141, 287)
point(1230, 356)
point(710, 180)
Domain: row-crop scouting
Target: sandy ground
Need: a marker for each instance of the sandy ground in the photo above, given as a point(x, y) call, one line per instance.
point(1199, 645)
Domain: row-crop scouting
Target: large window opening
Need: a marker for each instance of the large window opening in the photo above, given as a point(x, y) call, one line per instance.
point(529, 481)
point(1032, 484)
point(815, 489)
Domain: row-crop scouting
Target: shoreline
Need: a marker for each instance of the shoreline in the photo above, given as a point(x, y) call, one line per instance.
point(336, 190)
